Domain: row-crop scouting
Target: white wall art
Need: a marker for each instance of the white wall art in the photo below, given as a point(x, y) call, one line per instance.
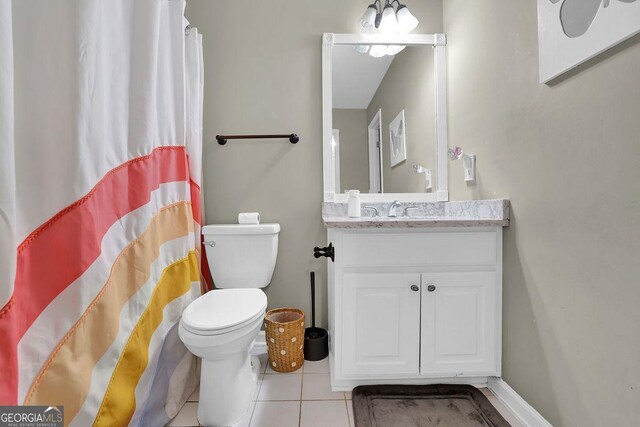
point(398, 144)
point(572, 31)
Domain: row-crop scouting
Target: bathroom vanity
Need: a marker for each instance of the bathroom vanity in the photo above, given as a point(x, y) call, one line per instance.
point(416, 299)
point(415, 289)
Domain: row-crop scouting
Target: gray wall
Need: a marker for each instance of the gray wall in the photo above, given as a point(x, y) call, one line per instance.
point(354, 148)
point(568, 157)
point(409, 85)
point(262, 75)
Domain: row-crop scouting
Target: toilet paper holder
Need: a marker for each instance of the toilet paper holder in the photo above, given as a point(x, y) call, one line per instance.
point(328, 252)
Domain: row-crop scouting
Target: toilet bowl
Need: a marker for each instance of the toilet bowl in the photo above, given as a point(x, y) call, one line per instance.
point(211, 330)
point(221, 325)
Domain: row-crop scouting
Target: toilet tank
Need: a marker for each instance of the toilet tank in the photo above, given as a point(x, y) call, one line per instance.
point(241, 255)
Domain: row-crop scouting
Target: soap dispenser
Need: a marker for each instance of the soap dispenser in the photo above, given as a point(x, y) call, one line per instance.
point(354, 204)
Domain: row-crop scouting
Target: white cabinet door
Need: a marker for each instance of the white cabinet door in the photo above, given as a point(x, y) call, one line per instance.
point(381, 324)
point(458, 325)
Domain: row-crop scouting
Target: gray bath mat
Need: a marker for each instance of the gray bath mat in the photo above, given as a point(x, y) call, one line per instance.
point(423, 406)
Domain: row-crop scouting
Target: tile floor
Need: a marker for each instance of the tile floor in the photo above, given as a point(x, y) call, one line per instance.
point(300, 399)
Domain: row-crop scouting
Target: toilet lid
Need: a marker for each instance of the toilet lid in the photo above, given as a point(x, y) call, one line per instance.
point(224, 308)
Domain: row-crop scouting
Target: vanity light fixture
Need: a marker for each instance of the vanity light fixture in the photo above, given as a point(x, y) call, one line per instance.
point(393, 49)
point(386, 20)
point(378, 51)
point(406, 20)
point(368, 20)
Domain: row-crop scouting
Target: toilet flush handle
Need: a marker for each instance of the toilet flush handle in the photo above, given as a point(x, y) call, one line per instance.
point(211, 244)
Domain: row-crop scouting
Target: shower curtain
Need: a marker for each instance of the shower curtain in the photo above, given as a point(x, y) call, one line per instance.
point(100, 171)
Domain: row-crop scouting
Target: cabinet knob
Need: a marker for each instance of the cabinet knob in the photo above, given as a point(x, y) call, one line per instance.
point(431, 288)
point(415, 288)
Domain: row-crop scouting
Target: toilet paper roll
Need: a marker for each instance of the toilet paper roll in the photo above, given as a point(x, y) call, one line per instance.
point(249, 218)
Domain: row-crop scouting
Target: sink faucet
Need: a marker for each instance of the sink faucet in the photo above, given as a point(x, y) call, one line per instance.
point(373, 209)
point(405, 212)
point(393, 209)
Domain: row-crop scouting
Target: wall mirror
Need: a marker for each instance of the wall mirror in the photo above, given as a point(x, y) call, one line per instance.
point(384, 117)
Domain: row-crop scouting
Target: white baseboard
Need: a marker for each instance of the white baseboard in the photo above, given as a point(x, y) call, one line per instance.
point(525, 413)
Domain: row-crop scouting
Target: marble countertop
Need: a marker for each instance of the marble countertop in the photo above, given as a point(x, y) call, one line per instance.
point(468, 213)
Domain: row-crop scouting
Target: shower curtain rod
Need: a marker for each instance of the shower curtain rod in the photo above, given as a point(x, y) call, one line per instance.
point(222, 139)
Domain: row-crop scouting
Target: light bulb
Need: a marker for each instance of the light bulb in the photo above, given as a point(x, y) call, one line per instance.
point(368, 19)
point(393, 49)
point(378, 51)
point(361, 48)
point(389, 22)
point(406, 21)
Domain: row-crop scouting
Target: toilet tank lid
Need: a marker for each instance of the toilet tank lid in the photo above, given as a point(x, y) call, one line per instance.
point(240, 229)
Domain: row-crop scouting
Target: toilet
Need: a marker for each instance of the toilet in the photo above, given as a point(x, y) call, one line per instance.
point(221, 325)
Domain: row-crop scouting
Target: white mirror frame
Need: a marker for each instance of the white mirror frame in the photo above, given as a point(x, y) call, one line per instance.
point(438, 41)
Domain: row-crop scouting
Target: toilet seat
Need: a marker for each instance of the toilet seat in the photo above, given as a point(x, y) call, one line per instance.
point(222, 331)
point(224, 310)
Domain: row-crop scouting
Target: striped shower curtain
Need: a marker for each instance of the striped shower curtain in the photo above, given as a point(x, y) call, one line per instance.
point(100, 167)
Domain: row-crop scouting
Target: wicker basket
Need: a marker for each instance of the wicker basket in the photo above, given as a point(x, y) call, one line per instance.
point(284, 332)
